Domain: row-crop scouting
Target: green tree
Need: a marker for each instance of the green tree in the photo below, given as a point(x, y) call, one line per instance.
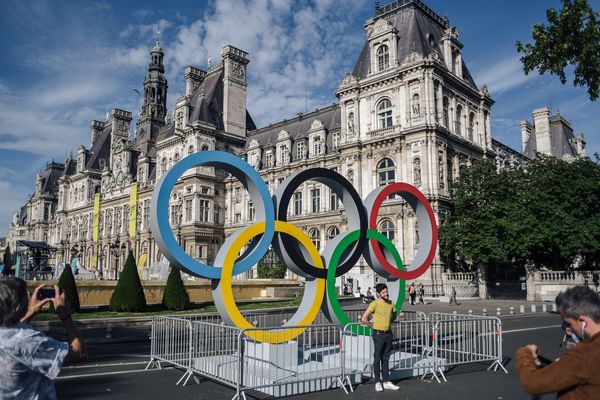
point(129, 293)
point(67, 284)
point(473, 233)
point(571, 38)
point(270, 267)
point(175, 296)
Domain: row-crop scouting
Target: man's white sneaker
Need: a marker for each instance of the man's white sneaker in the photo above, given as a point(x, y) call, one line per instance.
point(378, 387)
point(390, 386)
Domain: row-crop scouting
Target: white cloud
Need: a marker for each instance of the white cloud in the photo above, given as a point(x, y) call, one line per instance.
point(293, 47)
point(10, 204)
point(503, 74)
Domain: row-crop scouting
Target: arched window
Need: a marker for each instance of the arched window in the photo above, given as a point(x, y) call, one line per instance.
point(457, 121)
point(204, 148)
point(386, 172)
point(315, 237)
point(332, 232)
point(386, 227)
point(383, 58)
point(350, 176)
point(471, 126)
point(446, 114)
point(176, 158)
point(384, 114)
point(190, 150)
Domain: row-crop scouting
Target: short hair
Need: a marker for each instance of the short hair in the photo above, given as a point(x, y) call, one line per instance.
point(14, 301)
point(578, 301)
point(379, 287)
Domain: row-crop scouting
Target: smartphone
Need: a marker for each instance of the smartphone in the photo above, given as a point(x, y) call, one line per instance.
point(46, 293)
point(545, 361)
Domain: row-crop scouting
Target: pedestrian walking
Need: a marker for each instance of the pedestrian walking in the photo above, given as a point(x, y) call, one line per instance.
point(453, 295)
point(412, 293)
point(421, 293)
point(383, 311)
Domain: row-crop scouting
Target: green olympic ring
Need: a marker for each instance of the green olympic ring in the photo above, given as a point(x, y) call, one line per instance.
point(333, 303)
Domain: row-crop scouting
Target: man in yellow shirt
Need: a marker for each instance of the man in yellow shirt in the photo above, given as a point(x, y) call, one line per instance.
point(384, 312)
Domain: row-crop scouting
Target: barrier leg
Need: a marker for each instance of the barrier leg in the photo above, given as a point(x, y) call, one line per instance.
point(497, 364)
point(154, 364)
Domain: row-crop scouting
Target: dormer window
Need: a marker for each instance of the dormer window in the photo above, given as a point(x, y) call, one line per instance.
point(383, 58)
point(384, 114)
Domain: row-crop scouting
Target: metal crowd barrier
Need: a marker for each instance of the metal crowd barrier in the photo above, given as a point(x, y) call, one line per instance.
point(322, 356)
point(171, 343)
point(309, 362)
point(468, 340)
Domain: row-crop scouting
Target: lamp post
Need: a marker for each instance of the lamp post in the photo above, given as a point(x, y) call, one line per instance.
point(115, 250)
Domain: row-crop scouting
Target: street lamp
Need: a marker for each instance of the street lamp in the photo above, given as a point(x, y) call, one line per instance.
point(115, 250)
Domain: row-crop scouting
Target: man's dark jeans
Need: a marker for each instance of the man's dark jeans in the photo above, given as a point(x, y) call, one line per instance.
point(382, 342)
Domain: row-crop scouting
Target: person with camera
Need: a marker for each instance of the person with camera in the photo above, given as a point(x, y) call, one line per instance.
point(29, 359)
point(575, 375)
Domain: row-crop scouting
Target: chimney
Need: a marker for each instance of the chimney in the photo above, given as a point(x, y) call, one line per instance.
point(235, 85)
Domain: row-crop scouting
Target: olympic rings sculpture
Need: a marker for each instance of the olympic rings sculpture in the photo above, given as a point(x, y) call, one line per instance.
point(293, 247)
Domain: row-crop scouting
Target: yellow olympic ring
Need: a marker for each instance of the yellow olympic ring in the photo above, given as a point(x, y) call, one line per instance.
point(308, 309)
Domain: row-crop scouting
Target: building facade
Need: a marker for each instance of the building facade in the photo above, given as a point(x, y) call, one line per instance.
point(410, 111)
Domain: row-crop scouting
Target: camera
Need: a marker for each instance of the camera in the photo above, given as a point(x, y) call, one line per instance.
point(46, 293)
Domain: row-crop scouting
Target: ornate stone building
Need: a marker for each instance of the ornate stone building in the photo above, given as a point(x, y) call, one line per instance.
point(410, 111)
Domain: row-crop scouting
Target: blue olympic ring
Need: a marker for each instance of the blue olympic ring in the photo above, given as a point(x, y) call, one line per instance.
point(250, 179)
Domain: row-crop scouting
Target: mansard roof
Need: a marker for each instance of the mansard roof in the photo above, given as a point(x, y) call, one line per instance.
point(297, 127)
point(208, 100)
point(414, 22)
point(561, 139)
point(100, 149)
point(50, 177)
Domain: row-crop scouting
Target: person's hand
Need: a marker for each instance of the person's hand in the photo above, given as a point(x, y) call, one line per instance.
point(61, 306)
point(534, 350)
point(35, 305)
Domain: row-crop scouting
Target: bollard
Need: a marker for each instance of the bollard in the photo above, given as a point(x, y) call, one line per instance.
point(109, 332)
point(544, 308)
point(470, 312)
point(454, 312)
point(498, 311)
point(484, 313)
point(533, 308)
point(512, 310)
point(554, 307)
point(522, 309)
point(283, 321)
point(255, 323)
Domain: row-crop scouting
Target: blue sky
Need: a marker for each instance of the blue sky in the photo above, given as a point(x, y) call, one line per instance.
point(65, 62)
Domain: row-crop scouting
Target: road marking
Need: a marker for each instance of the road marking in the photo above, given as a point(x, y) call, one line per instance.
point(103, 365)
point(532, 329)
point(132, 371)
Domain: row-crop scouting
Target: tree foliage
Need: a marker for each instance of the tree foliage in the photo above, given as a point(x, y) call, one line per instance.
point(129, 293)
point(270, 267)
point(546, 215)
point(175, 296)
point(572, 37)
point(67, 284)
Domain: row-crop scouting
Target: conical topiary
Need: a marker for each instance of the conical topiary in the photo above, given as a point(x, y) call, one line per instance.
point(175, 296)
point(67, 284)
point(129, 293)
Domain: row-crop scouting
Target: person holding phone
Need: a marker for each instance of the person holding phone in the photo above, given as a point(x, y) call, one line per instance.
point(575, 375)
point(29, 359)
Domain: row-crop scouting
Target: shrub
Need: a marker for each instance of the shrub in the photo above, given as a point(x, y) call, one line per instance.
point(175, 296)
point(129, 293)
point(67, 283)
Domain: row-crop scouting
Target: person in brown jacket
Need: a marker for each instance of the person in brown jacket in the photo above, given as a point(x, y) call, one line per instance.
point(576, 374)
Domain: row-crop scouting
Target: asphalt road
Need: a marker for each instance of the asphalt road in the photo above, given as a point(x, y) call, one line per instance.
point(115, 370)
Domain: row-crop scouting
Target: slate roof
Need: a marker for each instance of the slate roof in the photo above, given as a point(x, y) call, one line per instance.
point(297, 127)
point(50, 177)
point(414, 22)
point(561, 135)
point(100, 149)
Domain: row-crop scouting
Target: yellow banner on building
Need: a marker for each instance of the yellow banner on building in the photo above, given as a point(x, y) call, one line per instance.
point(96, 231)
point(133, 199)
